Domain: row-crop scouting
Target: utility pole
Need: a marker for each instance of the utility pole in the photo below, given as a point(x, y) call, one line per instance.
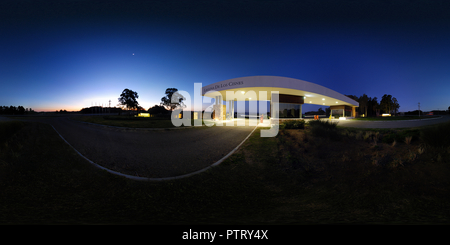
point(419, 109)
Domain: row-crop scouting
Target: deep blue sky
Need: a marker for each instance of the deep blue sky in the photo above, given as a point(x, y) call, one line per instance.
point(74, 54)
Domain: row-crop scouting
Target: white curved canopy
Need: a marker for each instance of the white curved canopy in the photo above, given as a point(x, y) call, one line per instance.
point(313, 93)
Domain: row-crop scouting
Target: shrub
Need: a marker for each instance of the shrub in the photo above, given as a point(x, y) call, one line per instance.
point(359, 135)
point(324, 128)
point(294, 124)
point(421, 150)
point(400, 136)
point(437, 136)
point(376, 136)
point(388, 138)
point(408, 139)
point(325, 124)
point(394, 143)
point(9, 128)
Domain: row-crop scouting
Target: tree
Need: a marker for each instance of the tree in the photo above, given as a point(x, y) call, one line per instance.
point(353, 97)
point(363, 104)
point(374, 107)
point(21, 110)
point(156, 109)
point(128, 98)
point(173, 99)
point(386, 103)
point(395, 105)
point(321, 111)
point(12, 110)
point(389, 104)
point(140, 108)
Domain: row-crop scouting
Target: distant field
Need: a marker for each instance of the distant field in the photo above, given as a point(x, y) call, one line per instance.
point(393, 118)
point(130, 122)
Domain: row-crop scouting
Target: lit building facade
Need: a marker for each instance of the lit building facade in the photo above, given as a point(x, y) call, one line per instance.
point(289, 94)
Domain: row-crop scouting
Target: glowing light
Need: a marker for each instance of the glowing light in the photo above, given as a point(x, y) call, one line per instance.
point(242, 92)
point(323, 99)
point(143, 115)
point(386, 115)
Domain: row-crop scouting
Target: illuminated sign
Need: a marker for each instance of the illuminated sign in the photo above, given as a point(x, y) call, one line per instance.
point(223, 86)
point(143, 115)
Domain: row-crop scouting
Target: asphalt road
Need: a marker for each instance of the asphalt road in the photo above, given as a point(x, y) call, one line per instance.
point(150, 153)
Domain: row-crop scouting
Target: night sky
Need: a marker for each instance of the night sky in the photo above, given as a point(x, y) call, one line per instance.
point(73, 54)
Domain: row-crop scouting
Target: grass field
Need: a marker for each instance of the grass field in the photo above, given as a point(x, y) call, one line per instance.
point(130, 121)
point(393, 118)
point(321, 174)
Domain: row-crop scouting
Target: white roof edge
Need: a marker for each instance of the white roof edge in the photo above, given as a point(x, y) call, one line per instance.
point(279, 82)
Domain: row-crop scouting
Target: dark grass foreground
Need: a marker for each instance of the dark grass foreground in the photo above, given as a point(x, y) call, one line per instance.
point(298, 177)
point(43, 181)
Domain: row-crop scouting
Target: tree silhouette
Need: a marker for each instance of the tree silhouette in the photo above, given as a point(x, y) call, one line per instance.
point(173, 99)
point(373, 106)
point(21, 110)
point(386, 103)
point(12, 110)
point(363, 104)
point(320, 111)
point(128, 98)
point(156, 109)
point(395, 105)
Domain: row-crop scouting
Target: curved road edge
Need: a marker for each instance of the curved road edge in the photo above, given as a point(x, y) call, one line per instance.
point(156, 179)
